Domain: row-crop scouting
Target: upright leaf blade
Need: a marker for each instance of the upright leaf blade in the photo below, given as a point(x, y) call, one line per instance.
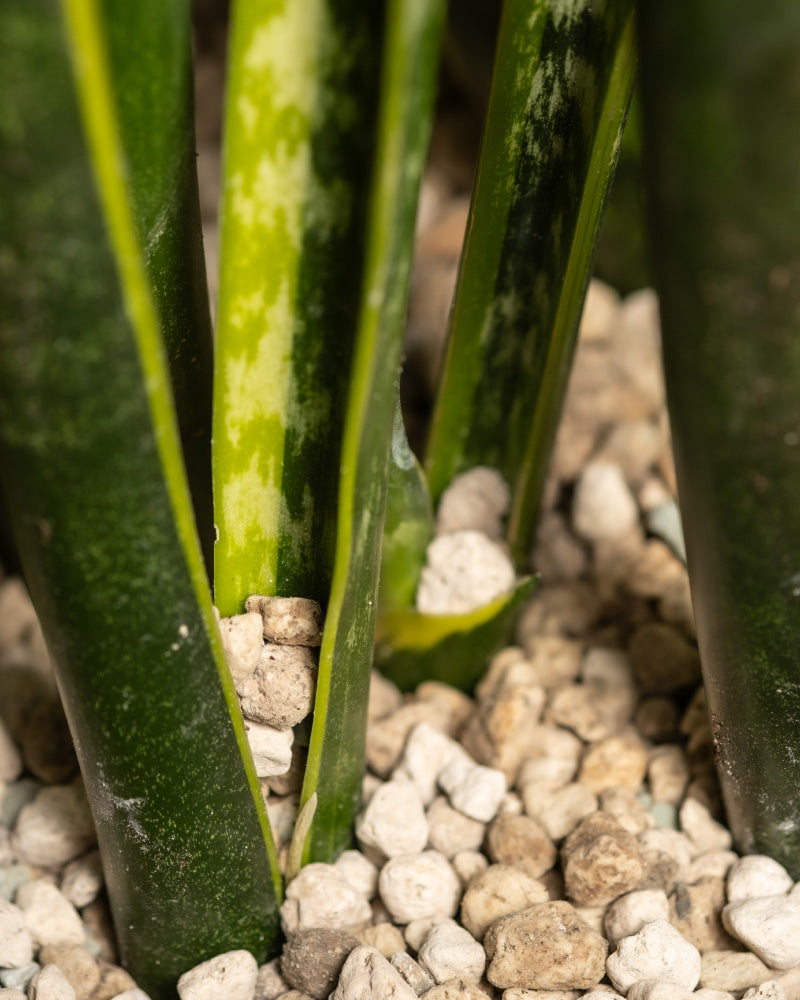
point(336, 751)
point(563, 78)
point(720, 95)
point(104, 520)
point(152, 88)
point(298, 136)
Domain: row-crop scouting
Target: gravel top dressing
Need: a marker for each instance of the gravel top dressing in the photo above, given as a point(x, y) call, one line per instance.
point(559, 834)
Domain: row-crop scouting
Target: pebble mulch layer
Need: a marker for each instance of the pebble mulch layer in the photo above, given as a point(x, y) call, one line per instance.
point(558, 835)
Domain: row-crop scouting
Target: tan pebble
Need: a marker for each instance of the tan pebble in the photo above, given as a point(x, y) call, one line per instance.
point(377, 824)
point(232, 975)
point(17, 614)
point(558, 555)
point(668, 773)
point(82, 879)
point(367, 973)
point(450, 951)
point(671, 843)
point(635, 360)
point(500, 890)
point(16, 941)
point(635, 445)
point(555, 659)
point(55, 827)
point(657, 719)
point(546, 944)
point(384, 697)
point(49, 916)
point(675, 606)
point(280, 691)
point(321, 897)
point(97, 921)
point(456, 989)
point(242, 640)
point(113, 980)
point(521, 841)
point(386, 738)
point(468, 865)
point(78, 966)
point(593, 711)
point(559, 810)
point(628, 914)
point(732, 970)
point(418, 978)
point(576, 438)
point(50, 983)
point(696, 911)
point(450, 831)
point(522, 994)
point(705, 833)
point(566, 609)
point(476, 500)
point(603, 506)
point(385, 937)
point(626, 809)
point(653, 570)
point(771, 990)
point(455, 703)
point(600, 861)
point(270, 984)
point(612, 557)
point(539, 775)
point(657, 989)
point(706, 994)
point(289, 621)
point(600, 311)
point(616, 762)
point(663, 659)
point(714, 863)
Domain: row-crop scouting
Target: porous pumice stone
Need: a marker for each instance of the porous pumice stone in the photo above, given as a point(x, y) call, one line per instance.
point(592, 760)
point(288, 621)
point(477, 500)
point(464, 571)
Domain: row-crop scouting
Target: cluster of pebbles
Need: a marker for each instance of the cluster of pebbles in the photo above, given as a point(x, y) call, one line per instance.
point(558, 835)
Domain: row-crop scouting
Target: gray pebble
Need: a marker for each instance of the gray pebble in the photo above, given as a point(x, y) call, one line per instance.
point(312, 960)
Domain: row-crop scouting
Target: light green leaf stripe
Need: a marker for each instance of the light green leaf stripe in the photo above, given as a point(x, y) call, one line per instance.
point(273, 92)
point(336, 749)
point(298, 134)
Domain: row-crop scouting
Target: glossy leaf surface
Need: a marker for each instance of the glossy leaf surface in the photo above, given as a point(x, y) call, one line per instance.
point(299, 135)
point(103, 516)
point(336, 751)
point(562, 85)
point(721, 91)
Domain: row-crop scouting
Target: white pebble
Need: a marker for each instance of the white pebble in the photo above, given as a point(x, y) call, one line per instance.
point(231, 975)
point(418, 979)
point(242, 640)
point(134, 994)
point(427, 752)
point(603, 507)
point(82, 880)
point(757, 875)
point(702, 829)
point(394, 820)
point(359, 872)
point(289, 621)
point(474, 790)
point(415, 886)
point(16, 943)
point(321, 897)
point(658, 989)
point(271, 748)
point(657, 951)
point(476, 500)
point(770, 990)
point(50, 983)
point(366, 973)
point(768, 926)
point(464, 571)
point(450, 952)
point(49, 916)
point(628, 914)
point(55, 828)
point(10, 993)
